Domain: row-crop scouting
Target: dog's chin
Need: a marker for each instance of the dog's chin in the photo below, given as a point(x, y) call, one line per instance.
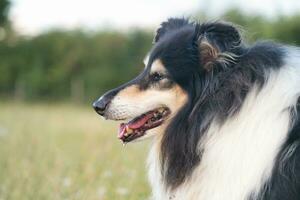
point(143, 126)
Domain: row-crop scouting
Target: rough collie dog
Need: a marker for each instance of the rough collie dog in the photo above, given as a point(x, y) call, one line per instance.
point(222, 114)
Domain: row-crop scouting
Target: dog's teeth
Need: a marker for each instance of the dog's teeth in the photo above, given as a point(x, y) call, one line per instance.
point(161, 109)
point(128, 130)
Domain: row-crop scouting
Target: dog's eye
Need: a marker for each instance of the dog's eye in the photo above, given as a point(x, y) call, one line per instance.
point(156, 76)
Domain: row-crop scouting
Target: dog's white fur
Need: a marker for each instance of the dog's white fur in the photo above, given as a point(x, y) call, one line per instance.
point(239, 154)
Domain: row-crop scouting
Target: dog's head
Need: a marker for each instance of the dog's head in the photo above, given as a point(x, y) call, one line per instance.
point(175, 76)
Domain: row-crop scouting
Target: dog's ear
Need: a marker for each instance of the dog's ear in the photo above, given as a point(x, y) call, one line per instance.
point(215, 42)
point(169, 25)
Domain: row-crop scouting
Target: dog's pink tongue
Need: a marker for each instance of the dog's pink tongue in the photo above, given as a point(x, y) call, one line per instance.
point(135, 124)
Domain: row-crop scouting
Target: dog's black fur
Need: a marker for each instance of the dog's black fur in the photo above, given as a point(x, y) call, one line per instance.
point(217, 92)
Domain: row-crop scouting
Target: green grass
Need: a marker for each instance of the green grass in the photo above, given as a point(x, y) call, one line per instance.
point(66, 152)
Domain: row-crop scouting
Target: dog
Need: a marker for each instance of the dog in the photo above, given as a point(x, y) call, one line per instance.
point(222, 114)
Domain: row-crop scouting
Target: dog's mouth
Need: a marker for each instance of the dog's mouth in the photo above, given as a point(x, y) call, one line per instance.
point(138, 126)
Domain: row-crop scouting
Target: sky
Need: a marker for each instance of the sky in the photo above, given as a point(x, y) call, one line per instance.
point(35, 16)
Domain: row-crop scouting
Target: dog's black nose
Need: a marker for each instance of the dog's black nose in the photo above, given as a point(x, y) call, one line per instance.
point(101, 104)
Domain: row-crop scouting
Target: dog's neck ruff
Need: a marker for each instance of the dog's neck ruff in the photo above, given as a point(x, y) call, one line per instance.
point(239, 154)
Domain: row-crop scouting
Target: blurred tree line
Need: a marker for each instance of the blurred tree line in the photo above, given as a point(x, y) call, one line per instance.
point(78, 65)
point(70, 64)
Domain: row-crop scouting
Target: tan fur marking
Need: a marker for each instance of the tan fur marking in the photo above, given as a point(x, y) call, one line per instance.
point(181, 97)
point(173, 98)
point(130, 92)
point(157, 66)
point(209, 54)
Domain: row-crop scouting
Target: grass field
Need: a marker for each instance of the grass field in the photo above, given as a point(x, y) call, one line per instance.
point(66, 152)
